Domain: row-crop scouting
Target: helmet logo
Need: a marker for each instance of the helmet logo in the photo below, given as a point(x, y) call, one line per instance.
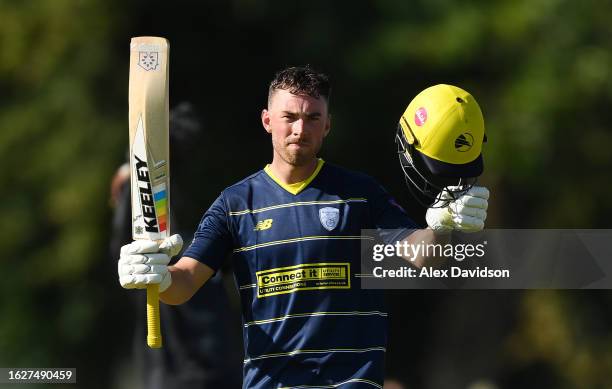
point(464, 142)
point(420, 116)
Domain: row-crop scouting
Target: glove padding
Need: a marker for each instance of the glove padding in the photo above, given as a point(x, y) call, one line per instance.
point(468, 213)
point(145, 262)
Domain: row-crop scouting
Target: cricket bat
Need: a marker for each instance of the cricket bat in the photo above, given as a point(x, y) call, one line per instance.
point(149, 154)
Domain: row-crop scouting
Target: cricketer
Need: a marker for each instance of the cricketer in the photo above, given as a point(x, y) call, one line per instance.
point(293, 230)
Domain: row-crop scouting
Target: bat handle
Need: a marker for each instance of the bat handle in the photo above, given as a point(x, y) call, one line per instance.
point(154, 338)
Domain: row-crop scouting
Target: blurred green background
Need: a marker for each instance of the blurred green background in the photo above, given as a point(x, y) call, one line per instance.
point(540, 69)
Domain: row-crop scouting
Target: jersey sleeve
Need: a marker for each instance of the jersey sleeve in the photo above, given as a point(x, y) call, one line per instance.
point(212, 240)
point(388, 217)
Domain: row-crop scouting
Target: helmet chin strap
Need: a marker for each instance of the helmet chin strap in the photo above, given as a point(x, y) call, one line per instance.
point(408, 165)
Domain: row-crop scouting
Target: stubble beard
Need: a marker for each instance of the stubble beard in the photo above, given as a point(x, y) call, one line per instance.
point(296, 158)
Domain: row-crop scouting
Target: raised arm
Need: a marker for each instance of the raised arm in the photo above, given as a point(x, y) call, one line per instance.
point(466, 214)
point(188, 275)
point(145, 262)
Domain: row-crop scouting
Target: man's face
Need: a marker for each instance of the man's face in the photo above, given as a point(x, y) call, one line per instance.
point(298, 124)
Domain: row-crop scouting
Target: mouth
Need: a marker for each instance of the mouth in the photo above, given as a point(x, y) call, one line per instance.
point(297, 144)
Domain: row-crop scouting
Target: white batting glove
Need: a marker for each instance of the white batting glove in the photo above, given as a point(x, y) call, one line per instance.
point(468, 213)
point(145, 262)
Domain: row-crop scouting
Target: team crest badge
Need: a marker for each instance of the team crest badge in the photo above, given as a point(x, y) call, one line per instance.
point(148, 60)
point(329, 217)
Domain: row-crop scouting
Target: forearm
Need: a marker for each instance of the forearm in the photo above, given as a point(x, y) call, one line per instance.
point(424, 237)
point(188, 276)
point(181, 289)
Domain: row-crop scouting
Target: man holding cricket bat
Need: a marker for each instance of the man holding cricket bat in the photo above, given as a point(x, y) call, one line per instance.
point(293, 230)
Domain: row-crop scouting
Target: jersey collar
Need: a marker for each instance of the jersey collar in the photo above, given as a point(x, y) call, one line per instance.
point(296, 187)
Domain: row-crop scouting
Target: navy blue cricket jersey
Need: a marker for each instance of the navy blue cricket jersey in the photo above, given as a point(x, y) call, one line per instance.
point(296, 254)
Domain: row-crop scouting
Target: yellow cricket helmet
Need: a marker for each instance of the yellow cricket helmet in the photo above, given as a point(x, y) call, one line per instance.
point(440, 138)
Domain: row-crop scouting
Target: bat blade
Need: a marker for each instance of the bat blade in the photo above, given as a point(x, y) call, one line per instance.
point(149, 154)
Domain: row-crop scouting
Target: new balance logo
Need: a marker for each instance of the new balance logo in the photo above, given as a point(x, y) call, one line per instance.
point(263, 225)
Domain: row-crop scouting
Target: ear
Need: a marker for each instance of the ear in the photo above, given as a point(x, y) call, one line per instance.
point(327, 126)
point(265, 120)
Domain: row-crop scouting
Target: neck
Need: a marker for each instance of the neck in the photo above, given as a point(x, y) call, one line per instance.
point(290, 174)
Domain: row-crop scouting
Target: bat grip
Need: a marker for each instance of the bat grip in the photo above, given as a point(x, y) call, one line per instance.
point(154, 338)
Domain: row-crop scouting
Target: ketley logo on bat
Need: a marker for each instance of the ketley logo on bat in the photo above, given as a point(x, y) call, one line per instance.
point(146, 195)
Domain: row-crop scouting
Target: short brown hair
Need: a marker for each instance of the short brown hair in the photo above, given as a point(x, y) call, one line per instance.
point(301, 80)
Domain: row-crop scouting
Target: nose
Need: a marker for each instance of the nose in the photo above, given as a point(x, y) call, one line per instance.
point(298, 126)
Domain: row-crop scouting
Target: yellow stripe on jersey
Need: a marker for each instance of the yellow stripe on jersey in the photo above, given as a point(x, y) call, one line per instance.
point(310, 314)
point(297, 204)
point(330, 350)
point(360, 380)
point(296, 187)
point(302, 239)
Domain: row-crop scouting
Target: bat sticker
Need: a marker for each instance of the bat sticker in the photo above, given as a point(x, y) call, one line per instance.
point(148, 60)
point(150, 205)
